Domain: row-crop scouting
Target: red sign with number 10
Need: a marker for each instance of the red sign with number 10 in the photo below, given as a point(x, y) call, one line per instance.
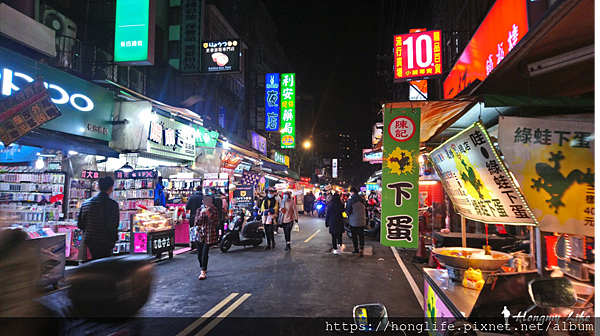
point(417, 55)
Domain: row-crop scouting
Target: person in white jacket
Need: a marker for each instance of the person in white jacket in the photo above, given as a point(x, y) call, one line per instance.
point(290, 215)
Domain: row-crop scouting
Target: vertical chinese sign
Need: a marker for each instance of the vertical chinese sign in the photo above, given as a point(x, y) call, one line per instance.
point(288, 110)
point(334, 168)
point(554, 164)
point(400, 177)
point(134, 32)
point(477, 181)
point(191, 33)
point(272, 102)
point(417, 55)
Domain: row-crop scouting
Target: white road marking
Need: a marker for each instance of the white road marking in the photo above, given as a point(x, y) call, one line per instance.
point(208, 314)
point(409, 277)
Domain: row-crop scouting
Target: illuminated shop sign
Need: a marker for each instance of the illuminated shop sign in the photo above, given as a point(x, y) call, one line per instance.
point(221, 56)
point(272, 102)
point(417, 55)
point(171, 138)
point(280, 158)
point(288, 110)
point(501, 30)
point(87, 107)
point(134, 32)
point(334, 168)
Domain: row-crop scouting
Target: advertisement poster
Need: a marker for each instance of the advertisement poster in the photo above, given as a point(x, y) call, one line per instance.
point(400, 177)
point(553, 161)
point(477, 181)
point(221, 56)
point(503, 27)
point(436, 312)
point(244, 196)
point(140, 242)
point(27, 109)
point(418, 55)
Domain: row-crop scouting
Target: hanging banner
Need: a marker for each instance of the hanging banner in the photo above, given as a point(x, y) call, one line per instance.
point(477, 181)
point(400, 177)
point(553, 161)
point(25, 110)
point(288, 110)
point(272, 102)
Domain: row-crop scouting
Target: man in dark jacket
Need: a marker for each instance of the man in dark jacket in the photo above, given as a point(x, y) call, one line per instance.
point(194, 203)
point(99, 220)
point(356, 209)
point(309, 203)
point(218, 203)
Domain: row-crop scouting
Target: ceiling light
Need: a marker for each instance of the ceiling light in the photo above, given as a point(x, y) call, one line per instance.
point(73, 153)
point(561, 61)
point(127, 168)
point(39, 164)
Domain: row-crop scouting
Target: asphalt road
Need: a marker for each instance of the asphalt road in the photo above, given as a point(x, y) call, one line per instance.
point(252, 291)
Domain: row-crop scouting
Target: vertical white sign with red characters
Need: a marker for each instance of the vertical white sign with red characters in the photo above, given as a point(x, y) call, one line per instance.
point(400, 177)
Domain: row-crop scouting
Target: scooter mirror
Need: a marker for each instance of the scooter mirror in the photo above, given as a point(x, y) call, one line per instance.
point(370, 317)
point(552, 292)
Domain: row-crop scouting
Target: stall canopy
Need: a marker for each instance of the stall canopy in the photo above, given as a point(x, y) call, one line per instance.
point(53, 140)
point(270, 164)
point(240, 150)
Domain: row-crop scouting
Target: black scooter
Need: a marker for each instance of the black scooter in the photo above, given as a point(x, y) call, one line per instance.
point(321, 208)
point(373, 226)
point(242, 233)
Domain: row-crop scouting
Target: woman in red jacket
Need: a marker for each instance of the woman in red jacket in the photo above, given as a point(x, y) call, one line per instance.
point(207, 223)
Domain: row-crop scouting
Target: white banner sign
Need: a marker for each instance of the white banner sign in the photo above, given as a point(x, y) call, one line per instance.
point(553, 161)
point(477, 181)
point(334, 168)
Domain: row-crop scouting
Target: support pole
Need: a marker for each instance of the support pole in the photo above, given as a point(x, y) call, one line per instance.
point(463, 230)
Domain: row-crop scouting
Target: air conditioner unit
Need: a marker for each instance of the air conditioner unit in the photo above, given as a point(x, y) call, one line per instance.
point(66, 33)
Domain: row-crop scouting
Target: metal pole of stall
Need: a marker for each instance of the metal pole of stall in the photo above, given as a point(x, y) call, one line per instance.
point(463, 229)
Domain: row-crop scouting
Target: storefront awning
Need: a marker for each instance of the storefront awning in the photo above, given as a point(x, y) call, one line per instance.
point(239, 150)
point(53, 140)
point(270, 164)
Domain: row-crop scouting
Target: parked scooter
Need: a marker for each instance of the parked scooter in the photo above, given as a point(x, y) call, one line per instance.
point(373, 227)
point(321, 208)
point(242, 233)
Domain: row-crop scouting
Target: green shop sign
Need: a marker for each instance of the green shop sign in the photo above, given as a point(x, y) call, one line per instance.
point(288, 110)
point(205, 138)
point(400, 177)
point(134, 32)
point(85, 107)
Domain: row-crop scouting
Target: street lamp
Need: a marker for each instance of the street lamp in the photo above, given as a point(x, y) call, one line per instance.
point(306, 144)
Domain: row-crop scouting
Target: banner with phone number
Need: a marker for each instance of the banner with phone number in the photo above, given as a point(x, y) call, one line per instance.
point(400, 177)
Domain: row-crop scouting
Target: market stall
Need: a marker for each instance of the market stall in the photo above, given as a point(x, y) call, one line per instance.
point(152, 232)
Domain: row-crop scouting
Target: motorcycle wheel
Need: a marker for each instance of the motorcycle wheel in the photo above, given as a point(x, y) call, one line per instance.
point(225, 245)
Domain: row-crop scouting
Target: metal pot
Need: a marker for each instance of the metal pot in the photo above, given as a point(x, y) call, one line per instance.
point(524, 260)
point(482, 264)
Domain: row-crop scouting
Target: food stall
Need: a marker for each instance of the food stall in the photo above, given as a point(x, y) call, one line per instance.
point(481, 285)
point(152, 232)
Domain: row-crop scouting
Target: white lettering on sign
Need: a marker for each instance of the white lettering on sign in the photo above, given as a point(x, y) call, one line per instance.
point(156, 132)
point(8, 87)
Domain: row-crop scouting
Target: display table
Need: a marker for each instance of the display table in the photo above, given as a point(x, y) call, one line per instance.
point(474, 240)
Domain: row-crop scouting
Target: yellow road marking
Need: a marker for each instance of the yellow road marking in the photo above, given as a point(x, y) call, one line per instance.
point(223, 315)
point(208, 314)
point(311, 237)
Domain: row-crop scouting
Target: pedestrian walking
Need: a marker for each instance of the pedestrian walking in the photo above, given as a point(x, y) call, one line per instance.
point(335, 221)
point(356, 209)
point(290, 215)
point(269, 208)
point(194, 203)
point(98, 218)
point(207, 223)
point(218, 203)
point(309, 203)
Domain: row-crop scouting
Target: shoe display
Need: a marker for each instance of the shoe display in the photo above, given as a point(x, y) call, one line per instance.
point(202, 275)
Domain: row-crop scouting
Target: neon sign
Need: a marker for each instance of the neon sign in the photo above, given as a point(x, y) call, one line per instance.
point(288, 110)
point(272, 102)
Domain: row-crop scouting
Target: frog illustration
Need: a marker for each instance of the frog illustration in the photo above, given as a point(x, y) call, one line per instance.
point(555, 183)
point(470, 177)
point(403, 161)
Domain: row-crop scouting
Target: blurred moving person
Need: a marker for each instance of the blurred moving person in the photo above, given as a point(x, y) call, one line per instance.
point(207, 222)
point(356, 209)
point(99, 220)
point(290, 215)
point(309, 203)
point(194, 203)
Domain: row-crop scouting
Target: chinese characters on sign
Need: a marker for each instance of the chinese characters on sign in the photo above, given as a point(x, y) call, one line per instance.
point(554, 164)
point(191, 26)
point(417, 55)
point(25, 110)
point(259, 142)
point(272, 102)
point(477, 181)
point(89, 174)
point(400, 177)
point(334, 168)
point(504, 26)
point(280, 158)
point(136, 174)
point(244, 196)
point(134, 32)
point(288, 110)
point(221, 56)
point(172, 137)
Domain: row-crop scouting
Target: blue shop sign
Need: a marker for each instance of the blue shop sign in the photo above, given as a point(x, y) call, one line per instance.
point(86, 108)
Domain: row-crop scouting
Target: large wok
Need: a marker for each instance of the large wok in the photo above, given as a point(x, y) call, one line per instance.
point(482, 264)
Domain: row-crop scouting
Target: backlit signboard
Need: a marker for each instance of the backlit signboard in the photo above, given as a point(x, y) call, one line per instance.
point(221, 56)
point(334, 168)
point(503, 27)
point(272, 102)
point(259, 142)
point(417, 55)
point(417, 90)
point(134, 32)
point(280, 158)
point(288, 110)
point(370, 155)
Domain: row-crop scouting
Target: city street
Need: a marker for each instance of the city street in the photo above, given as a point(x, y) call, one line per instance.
point(268, 285)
